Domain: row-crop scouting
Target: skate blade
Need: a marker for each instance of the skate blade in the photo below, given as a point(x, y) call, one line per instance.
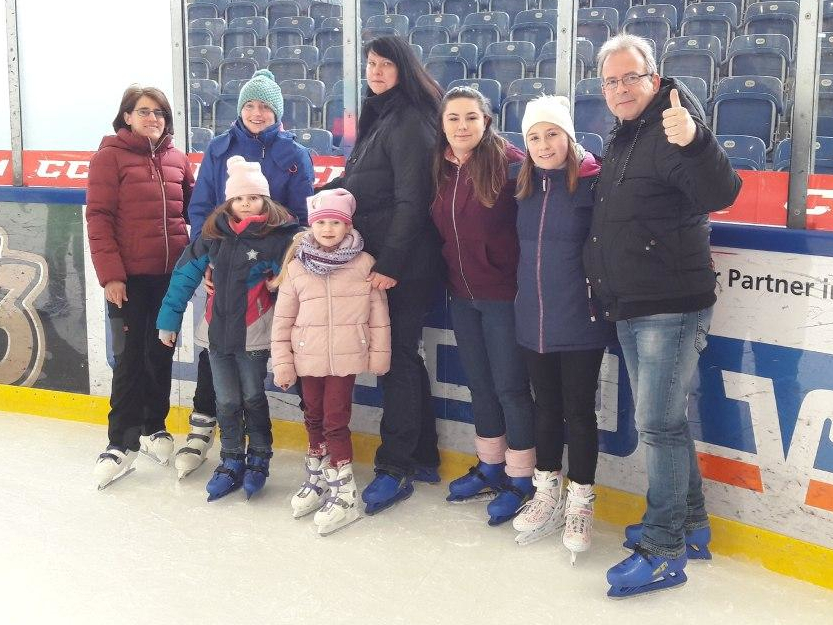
point(665, 583)
point(533, 536)
point(220, 496)
point(478, 498)
point(183, 473)
point(117, 478)
point(300, 514)
point(340, 526)
point(375, 508)
point(155, 458)
point(698, 552)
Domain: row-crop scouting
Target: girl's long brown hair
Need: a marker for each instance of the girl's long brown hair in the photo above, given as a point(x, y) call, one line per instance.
point(277, 216)
point(487, 164)
point(526, 177)
point(288, 257)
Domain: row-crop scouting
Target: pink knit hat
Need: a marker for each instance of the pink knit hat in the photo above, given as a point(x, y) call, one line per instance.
point(331, 204)
point(245, 178)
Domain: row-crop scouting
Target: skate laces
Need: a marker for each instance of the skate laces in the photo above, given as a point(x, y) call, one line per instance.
point(579, 513)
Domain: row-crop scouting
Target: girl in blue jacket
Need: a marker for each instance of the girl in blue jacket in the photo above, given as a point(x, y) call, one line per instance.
point(563, 341)
point(244, 241)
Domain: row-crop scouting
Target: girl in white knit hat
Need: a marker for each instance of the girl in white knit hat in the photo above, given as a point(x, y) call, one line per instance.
point(244, 241)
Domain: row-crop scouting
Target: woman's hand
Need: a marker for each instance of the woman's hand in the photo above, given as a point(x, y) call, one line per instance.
point(207, 281)
point(380, 281)
point(168, 337)
point(116, 292)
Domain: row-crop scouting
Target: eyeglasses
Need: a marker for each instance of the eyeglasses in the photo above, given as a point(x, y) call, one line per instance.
point(631, 79)
point(157, 113)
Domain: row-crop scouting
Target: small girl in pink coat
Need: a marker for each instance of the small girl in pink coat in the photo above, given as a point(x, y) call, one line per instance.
point(329, 325)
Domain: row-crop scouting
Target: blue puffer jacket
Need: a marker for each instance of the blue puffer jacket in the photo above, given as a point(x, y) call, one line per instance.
point(286, 164)
point(552, 310)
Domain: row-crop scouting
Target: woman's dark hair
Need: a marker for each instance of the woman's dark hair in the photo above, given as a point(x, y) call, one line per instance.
point(415, 83)
point(487, 164)
point(526, 177)
point(132, 95)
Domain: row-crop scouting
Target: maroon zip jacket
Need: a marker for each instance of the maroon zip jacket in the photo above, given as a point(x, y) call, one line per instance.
point(480, 244)
point(136, 200)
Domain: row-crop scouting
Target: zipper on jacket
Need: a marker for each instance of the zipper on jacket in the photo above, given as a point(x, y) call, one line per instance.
point(546, 189)
point(164, 205)
point(330, 325)
point(456, 236)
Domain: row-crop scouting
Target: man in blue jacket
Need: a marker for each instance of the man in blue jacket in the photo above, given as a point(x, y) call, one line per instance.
point(648, 260)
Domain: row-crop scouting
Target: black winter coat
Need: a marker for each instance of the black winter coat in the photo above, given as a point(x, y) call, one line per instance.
point(648, 250)
point(389, 173)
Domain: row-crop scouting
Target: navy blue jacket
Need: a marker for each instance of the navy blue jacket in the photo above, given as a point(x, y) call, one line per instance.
point(552, 310)
point(286, 164)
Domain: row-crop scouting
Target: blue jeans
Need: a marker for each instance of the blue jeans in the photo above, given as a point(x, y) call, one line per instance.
point(501, 401)
point(661, 354)
point(242, 407)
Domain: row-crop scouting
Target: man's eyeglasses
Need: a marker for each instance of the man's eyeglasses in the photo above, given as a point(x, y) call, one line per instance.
point(157, 113)
point(631, 79)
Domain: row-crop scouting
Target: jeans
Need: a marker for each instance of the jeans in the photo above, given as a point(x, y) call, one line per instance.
point(408, 428)
point(661, 354)
point(329, 402)
point(141, 389)
point(565, 386)
point(501, 402)
point(242, 407)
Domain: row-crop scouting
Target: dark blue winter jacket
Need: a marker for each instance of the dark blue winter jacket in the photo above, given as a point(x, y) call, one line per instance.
point(552, 309)
point(286, 164)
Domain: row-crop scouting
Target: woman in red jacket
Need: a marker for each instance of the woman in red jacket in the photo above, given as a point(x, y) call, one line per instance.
point(475, 213)
point(138, 188)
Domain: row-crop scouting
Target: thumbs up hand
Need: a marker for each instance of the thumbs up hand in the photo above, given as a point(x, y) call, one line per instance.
point(677, 122)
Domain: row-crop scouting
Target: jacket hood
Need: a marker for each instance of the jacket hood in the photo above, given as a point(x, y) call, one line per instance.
point(662, 100)
point(126, 140)
point(589, 166)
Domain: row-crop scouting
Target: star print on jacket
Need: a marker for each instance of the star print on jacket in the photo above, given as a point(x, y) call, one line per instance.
point(252, 254)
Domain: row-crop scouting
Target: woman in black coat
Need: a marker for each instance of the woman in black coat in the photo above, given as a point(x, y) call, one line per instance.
point(389, 173)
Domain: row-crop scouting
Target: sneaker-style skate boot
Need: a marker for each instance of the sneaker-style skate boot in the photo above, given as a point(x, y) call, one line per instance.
point(314, 491)
point(340, 508)
point(696, 541)
point(644, 572)
point(544, 513)
point(158, 446)
point(197, 444)
point(481, 483)
point(578, 518)
point(113, 465)
point(385, 490)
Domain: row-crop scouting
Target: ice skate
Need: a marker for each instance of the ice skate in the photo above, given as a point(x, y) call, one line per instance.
point(481, 483)
point(113, 465)
point(227, 478)
point(644, 572)
point(542, 515)
point(158, 446)
point(578, 519)
point(257, 470)
point(513, 493)
point(423, 473)
point(385, 490)
point(314, 491)
point(696, 541)
point(197, 444)
point(340, 508)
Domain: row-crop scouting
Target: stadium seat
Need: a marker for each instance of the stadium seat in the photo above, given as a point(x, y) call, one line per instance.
point(225, 113)
point(597, 24)
point(212, 55)
point(399, 23)
point(826, 61)
point(238, 9)
point(510, 7)
point(515, 138)
point(697, 55)
point(520, 92)
point(233, 87)
point(313, 90)
point(239, 37)
point(824, 127)
point(823, 154)
point(443, 20)
point(198, 68)
point(418, 51)
point(466, 51)
point(297, 111)
point(460, 7)
point(827, 16)
point(303, 23)
point(445, 69)
point(429, 35)
point(319, 10)
point(495, 18)
point(697, 86)
point(200, 138)
point(236, 69)
point(200, 37)
point(317, 140)
point(282, 36)
point(590, 110)
point(309, 55)
point(710, 18)
point(621, 7)
point(260, 54)
point(412, 9)
point(372, 7)
point(200, 12)
point(259, 24)
point(281, 8)
point(215, 25)
point(591, 142)
point(195, 109)
point(479, 35)
point(207, 90)
point(748, 105)
point(654, 21)
point(489, 88)
point(535, 26)
point(326, 37)
point(291, 69)
point(772, 18)
point(503, 68)
point(523, 49)
point(330, 69)
point(744, 152)
point(760, 55)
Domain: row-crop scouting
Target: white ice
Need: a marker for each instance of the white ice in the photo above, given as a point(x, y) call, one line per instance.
point(150, 549)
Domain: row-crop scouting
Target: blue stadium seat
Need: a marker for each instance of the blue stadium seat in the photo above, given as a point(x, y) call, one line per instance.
point(259, 24)
point(225, 113)
point(503, 68)
point(200, 37)
point(281, 8)
point(212, 55)
point(375, 32)
point(510, 7)
point(418, 51)
point(399, 23)
point(303, 23)
point(200, 138)
point(445, 69)
point(220, 5)
point(240, 8)
point(744, 152)
point(823, 153)
point(760, 55)
point(290, 69)
point(495, 18)
point(233, 87)
point(372, 7)
point(207, 90)
point(519, 94)
point(824, 127)
point(313, 90)
point(309, 55)
point(297, 111)
point(597, 25)
point(319, 10)
point(489, 88)
point(591, 142)
point(239, 37)
point(443, 20)
point(326, 37)
point(826, 61)
point(460, 7)
point(585, 56)
point(535, 26)
point(330, 69)
point(429, 35)
point(523, 49)
point(697, 86)
point(282, 36)
point(412, 9)
point(748, 105)
point(262, 5)
point(772, 18)
point(697, 55)
point(710, 18)
point(195, 109)
point(480, 35)
point(621, 7)
point(236, 69)
point(827, 16)
point(200, 12)
point(198, 68)
point(590, 110)
point(466, 51)
point(215, 25)
point(260, 54)
point(655, 21)
point(515, 138)
point(317, 140)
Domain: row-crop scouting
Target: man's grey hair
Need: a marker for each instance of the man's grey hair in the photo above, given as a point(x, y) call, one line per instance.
point(623, 42)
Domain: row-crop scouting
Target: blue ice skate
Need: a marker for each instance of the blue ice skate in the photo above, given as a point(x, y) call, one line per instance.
point(481, 483)
point(644, 572)
point(385, 490)
point(227, 478)
point(512, 494)
point(696, 541)
point(257, 470)
point(423, 473)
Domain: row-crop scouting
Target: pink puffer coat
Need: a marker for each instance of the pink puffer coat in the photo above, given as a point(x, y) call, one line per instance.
point(330, 325)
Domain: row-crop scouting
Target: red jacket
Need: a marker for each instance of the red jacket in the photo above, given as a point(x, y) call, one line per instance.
point(136, 200)
point(480, 245)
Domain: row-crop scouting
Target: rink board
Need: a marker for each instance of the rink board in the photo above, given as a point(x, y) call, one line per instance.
point(761, 411)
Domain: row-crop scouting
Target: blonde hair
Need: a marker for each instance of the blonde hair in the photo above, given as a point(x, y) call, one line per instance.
point(277, 215)
point(288, 256)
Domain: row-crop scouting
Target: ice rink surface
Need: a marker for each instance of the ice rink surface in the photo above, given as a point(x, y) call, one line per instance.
point(149, 549)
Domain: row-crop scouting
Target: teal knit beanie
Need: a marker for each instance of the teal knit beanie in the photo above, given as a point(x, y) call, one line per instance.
point(262, 87)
